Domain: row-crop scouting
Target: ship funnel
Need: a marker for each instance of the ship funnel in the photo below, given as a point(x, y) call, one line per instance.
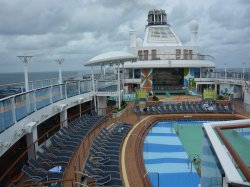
point(157, 17)
point(132, 37)
point(193, 29)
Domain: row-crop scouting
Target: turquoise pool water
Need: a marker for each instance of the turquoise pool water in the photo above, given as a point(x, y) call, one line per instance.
point(165, 158)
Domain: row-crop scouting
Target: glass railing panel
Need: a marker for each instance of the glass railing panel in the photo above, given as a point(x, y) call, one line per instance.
point(72, 89)
point(85, 86)
point(21, 103)
point(31, 105)
point(7, 90)
point(42, 97)
point(239, 139)
point(57, 93)
point(6, 114)
point(55, 81)
point(2, 124)
point(36, 85)
point(46, 83)
point(63, 88)
point(211, 169)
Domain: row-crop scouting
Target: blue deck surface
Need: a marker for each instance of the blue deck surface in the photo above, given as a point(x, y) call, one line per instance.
point(166, 160)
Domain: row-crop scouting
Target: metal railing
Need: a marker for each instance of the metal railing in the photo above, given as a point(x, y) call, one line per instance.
point(175, 57)
point(100, 84)
point(227, 75)
point(20, 87)
point(241, 107)
point(16, 107)
point(83, 150)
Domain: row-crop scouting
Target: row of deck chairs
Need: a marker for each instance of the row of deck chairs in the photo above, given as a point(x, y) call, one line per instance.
point(102, 165)
point(184, 107)
point(52, 158)
point(112, 88)
point(167, 88)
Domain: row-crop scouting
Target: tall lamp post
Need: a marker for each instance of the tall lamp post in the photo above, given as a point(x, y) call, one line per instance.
point(25, 60)
point(225, 70)
point(60, 61)
point(243, 71)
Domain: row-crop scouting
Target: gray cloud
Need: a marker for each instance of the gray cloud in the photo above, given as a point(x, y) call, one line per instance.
point(77, 30)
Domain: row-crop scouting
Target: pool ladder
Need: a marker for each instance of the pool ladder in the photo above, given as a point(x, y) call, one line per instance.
point(193, 158)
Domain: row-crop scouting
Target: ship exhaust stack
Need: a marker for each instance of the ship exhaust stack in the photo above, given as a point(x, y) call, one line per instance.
point(193, 28)
point(157, 17)
point(132, 36)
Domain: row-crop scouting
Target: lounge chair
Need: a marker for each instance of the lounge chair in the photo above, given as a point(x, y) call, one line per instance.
point(40, 167)
point(41, 176)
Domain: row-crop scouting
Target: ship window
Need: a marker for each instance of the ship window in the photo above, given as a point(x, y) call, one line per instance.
point(153, 54)
point(137, 73)
point(140, 54)
point(130, 73)
point(145, 54)
point(178, 54)
point(185, 54)
point(190, 54)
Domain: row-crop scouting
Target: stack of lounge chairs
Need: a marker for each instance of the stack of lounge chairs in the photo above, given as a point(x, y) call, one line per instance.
point(53, 156)
point(167, 88)
point(184, 107)
point(112, 88)
point(102, 166)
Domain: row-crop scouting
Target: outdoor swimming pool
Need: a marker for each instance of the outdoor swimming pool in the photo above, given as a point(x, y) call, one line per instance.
point(167, 156)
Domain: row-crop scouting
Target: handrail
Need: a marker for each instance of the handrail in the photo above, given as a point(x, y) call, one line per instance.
point(78, 153)
point(174, 56)
point(243, 167)
point(62, 93)
point(140, 161)
point(22, 83)
point(47, 182)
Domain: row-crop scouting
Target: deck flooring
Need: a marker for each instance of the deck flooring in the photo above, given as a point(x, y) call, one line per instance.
point(132, 172)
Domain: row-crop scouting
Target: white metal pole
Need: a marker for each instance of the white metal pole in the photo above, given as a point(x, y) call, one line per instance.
point(60, 61)
point(60, 73)
point(243, 71)
point(225, 71)
point(25, 60)
point(123, 77)
point(118, 84)
point(93, 87)
point(26, 77)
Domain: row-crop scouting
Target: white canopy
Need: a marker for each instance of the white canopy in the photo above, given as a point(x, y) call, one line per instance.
point(113, 57)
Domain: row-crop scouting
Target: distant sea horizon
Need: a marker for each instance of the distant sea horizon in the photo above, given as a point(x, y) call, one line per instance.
point(17, 77)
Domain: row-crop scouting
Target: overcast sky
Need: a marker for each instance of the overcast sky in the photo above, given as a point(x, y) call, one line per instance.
point(77, 30)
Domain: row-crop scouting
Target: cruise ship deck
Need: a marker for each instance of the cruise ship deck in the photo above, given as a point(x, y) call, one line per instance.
point(165, 117)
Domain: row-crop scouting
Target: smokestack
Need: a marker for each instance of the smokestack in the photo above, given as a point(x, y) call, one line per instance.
point(193, 29)
point(132, 37)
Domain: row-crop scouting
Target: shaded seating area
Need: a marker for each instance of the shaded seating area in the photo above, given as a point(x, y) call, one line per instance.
point(102, 168)
point(184, 107)
point(54, 155)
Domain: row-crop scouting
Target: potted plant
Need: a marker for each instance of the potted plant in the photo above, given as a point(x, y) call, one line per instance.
point(150, 96)
point(118, 112)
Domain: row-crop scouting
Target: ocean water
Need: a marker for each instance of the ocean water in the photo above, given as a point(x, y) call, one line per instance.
point(7, 78)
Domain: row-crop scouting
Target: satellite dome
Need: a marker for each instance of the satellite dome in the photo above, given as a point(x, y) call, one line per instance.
point(193, 26)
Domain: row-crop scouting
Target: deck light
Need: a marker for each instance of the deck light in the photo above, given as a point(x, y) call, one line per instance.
point(25, 60)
